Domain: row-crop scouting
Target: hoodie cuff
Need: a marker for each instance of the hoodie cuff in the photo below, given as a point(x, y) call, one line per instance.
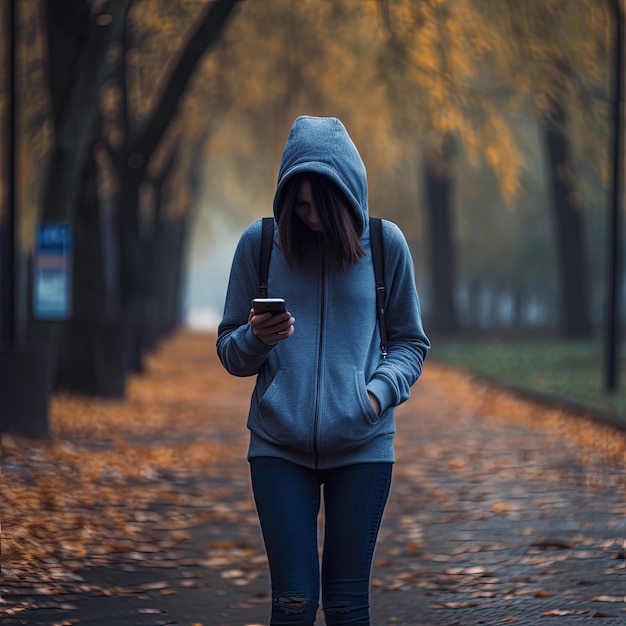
point(382, 390)
point(252, 345)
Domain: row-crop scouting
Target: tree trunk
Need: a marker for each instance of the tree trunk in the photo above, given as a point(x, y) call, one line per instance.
point(162, 302)
point(132, 257)
point(93, 348)
point(132, 161)
point(441, 245)
point(75, 100)
point(157, 259)
point(177, 236)
point(571, 244)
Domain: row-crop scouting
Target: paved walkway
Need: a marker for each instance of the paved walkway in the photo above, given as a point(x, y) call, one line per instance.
point(501, 511)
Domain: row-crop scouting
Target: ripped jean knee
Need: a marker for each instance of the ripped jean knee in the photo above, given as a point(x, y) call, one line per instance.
point(291, 603)
point(338, 613)
point(293, 608)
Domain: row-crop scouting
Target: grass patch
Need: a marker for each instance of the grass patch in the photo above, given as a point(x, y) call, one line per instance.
point(571, 369)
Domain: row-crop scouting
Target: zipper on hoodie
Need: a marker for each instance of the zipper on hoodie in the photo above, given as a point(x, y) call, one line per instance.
point(320, 349)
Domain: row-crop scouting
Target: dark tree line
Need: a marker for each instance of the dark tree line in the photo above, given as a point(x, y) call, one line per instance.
point(127, 273)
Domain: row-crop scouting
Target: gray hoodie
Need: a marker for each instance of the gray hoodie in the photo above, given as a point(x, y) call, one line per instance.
point(310, 404)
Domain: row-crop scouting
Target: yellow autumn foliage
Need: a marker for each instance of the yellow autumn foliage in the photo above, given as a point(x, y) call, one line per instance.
point(400, 73)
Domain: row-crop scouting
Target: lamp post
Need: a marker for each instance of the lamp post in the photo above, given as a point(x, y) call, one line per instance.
point(615, 222)
point(23, 372)
point(7, 246)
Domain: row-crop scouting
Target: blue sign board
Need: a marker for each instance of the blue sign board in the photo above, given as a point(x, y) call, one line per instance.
point(52, 272)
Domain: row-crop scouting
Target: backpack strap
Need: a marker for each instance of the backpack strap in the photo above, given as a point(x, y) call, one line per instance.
point(267, 240)
point(378, 258)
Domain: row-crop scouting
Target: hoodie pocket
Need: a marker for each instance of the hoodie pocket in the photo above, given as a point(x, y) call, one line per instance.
point(284, 414)
point(366, 405)
point(348, 419)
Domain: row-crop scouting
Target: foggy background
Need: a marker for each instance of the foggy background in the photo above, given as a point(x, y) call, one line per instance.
point(154, 130)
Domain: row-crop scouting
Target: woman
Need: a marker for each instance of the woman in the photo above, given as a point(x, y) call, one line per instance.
point(322, 411)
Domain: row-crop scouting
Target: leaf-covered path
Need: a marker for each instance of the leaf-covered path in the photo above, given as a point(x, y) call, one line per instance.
point(140, 512)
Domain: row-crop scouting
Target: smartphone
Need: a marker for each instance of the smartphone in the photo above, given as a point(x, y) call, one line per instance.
point(268, 305)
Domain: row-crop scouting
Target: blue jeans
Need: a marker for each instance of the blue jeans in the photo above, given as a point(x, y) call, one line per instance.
point(287, 498)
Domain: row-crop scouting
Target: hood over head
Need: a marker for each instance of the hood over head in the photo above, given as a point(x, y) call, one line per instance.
point(322, 145)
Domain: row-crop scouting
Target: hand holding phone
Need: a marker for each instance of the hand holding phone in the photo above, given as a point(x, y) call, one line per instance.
point(275, 328)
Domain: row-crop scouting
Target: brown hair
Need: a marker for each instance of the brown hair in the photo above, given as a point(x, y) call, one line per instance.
point(341, 229)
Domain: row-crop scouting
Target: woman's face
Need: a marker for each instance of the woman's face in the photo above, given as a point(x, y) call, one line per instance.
point(305, 207)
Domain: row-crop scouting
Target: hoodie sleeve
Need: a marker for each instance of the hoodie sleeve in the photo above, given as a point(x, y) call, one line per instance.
point(408, 345)
point(238, 348)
